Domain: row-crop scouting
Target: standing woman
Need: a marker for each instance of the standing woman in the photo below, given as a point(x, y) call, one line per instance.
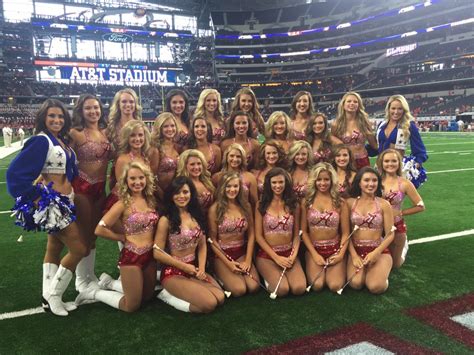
point(271, 155)
point(200, 139)
point(277, 224)
point(301, 162)
point(239, 132)
point(125, 107)
point(320, 138)
point(246, 101)
point(164, 155)
point(344, 165)
point(231, 227)
point(325, 225)
point(397, 131)
point(182, 232)
point(234, 161)
point(193, 165)
point(209, 106)
point(395, 188)
point(177, 103)
point(134, 146)
point(93, 153)
point(302, 109)
point(40, 179)
point(369, 257)
point(353, 128)
point(278, 127)
point(136, 211)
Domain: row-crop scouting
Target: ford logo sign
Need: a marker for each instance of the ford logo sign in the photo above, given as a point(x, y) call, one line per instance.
point(117, 37)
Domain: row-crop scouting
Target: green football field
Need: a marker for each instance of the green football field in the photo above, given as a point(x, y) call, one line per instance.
point(434, 271)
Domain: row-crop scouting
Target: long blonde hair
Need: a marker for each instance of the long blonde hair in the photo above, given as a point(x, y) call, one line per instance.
point(312, 191)
point(157, 136)
point(124, 191)
point(205, 176)
point(127, 130)
point(241, 150)
point(295, 148)
point(222, 200)
point(362, 117)
point(200, 109)
point(115, 114)
point(407, 116)
point(270, 133)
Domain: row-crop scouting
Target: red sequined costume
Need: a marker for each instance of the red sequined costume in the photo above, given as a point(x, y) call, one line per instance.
point(327, 220)
point(395, 198)
point(231, 236)
point(281, 225)
point(357, 139)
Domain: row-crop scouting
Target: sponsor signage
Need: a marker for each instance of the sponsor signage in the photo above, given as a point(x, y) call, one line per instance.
point(117, 37)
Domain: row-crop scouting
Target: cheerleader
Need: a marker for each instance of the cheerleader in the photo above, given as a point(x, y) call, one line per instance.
point(344, 165)
point(39, 178)
point(93, 153)
point(246, 101)
point(182, 232)
point(231, 229)
point(395, 188)
point(301, 162)
point(320, 138)
point(234, 161)
point(353, 128)
point(302, 109)
point(278, 128)
point(192, 164)
point(209, 106)
point(369, 261)
point(177, 103)
point(277, 224)
point(271, 155)
point(200, 139)
point(397, 131)
point(136, 211)
point(239, 132)
point(325, 226)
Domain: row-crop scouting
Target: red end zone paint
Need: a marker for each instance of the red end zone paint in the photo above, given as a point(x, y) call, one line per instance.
point(438, 315)
point(342, 337)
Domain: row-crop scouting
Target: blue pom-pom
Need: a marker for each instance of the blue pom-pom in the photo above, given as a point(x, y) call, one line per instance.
point(417, 175)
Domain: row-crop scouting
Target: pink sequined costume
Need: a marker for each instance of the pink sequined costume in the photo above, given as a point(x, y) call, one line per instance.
point(228, 231)
point(300, 189)
point(357, 139)
point(137, 223)
point(395, 198)
point(281, 225)
point(327, 220)
point(205, 200)
point(322, 155)
point(177, 241)
point(371, 221)
point(218, 135)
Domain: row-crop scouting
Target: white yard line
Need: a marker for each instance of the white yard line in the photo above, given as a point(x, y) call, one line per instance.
point(25, 312)
point(448, 171)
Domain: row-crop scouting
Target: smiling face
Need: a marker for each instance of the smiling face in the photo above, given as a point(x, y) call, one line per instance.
point(245, 102)
point(177, 105)
point(168, 129)
point(54, 120)
point(396, 111)
point(137, 138)
point(302, 105)
point(279, 127)
point(232, 189)
point(301, 158)
point(323, 181)
point(390, 163)
point(277, 184)
point(182, 197)
point(271, 155)
point(241, 125)
point(127, 104)
point(234, 159)
point(91, 111)
point(318, 125)
point(342, 158)
point(369, 183)
point(136, 180)
point(194, 167)
point(200, 128)
point(210, 103)
point(351, 104)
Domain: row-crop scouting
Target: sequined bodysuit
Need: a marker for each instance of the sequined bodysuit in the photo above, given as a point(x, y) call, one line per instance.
point(278, 224)
point(231, 232)
point(92, 152)
point(395, 198)
point(323, 220)
point(371, 221)
point(140, 222)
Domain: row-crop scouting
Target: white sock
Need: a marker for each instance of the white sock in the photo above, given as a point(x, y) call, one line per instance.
point(110, 298)
point(174, 301)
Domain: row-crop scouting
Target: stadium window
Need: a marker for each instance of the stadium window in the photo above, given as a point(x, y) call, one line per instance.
point(45, 9)
point(58, 47)
point(165, 54)
point(17, 10)
point(132, 19)
point(78, 13)
point(85, 49)
point(185, 23)
point(139, 52)
point(113, 51)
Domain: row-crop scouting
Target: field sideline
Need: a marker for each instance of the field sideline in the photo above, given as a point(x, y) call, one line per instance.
point(435, 271)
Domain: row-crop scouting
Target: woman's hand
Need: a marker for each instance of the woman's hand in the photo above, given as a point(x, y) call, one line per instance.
point(234, 266)
point(358, 262)
point(283, 262)
point(201, 274)
point(335, 259)
point(371, 258)
point(318, 259)
point(244, 266)
point(190, 269)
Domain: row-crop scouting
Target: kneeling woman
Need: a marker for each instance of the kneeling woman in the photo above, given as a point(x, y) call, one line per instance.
point(136, 210)
point(369, 261)
point(277, 225)
point(231, 229)
point(323, 214)
point(182, 230)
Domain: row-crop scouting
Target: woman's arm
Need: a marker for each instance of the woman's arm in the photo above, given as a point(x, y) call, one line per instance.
point(250, 243)
point(108, 220)
point(202, 257)
point(345, 231)
point(296, 234)
point(415, 198)
point(387, 214)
